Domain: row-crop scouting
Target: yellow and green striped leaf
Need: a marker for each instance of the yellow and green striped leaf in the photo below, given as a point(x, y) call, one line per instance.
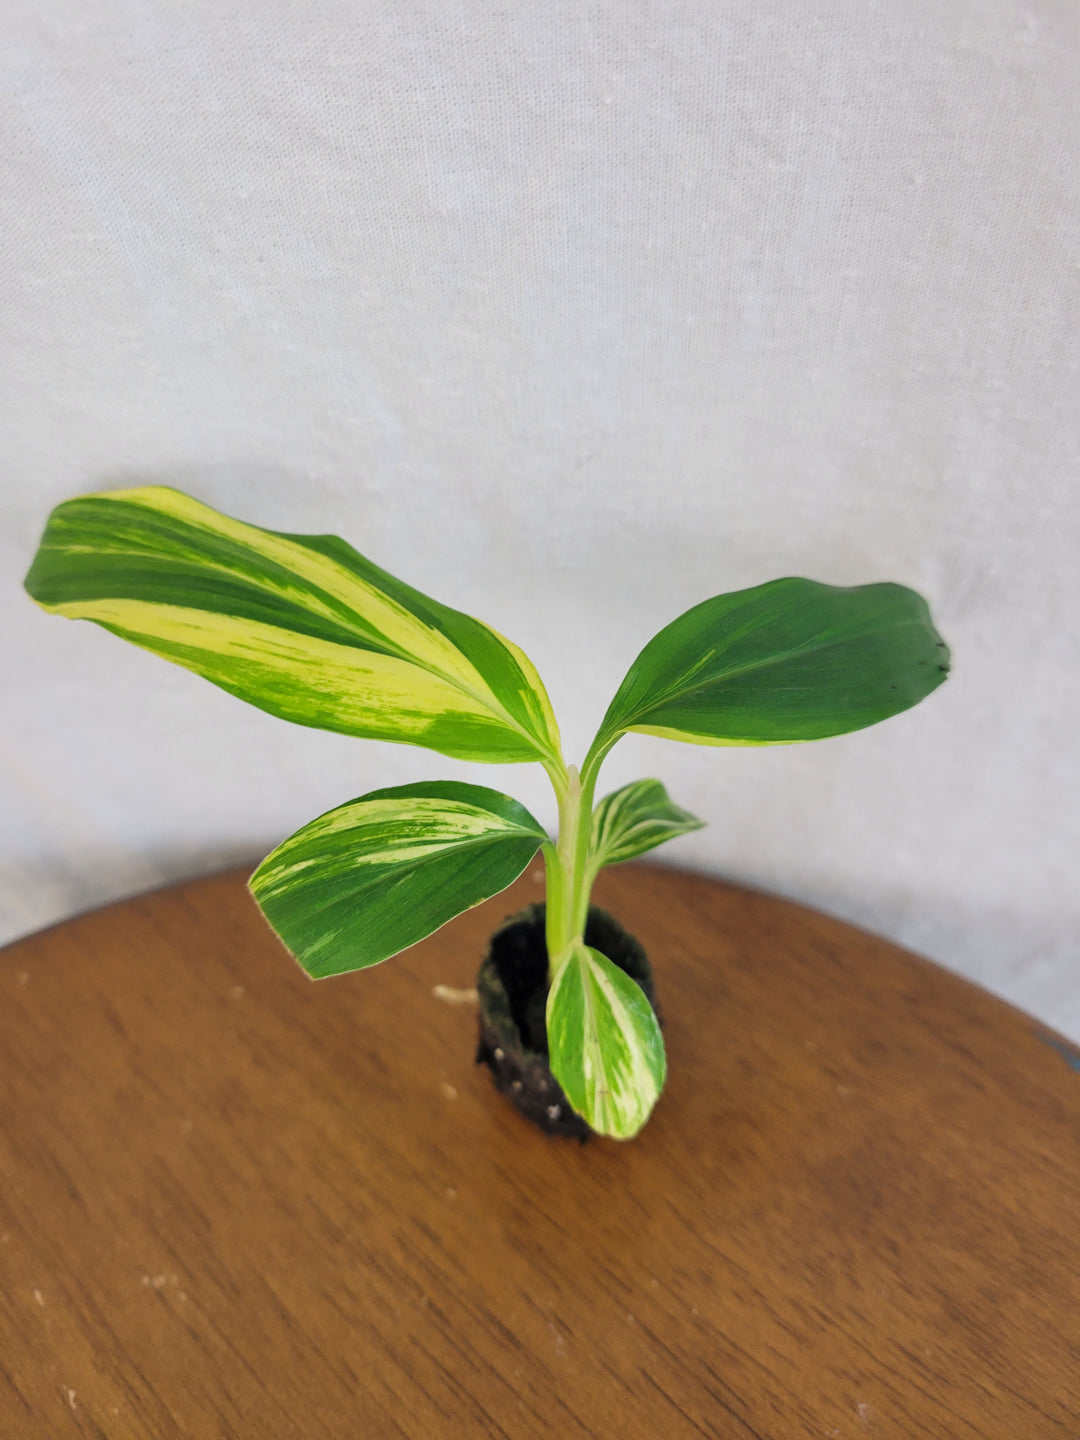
point(787, 661)
point(380, 873)
point(635, 819)
point(604, 1043)
point(299, 625)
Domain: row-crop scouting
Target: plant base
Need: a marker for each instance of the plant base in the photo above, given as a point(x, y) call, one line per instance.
point(513, 986)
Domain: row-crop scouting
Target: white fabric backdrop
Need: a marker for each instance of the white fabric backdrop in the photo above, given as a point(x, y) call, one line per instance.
point(572, 314)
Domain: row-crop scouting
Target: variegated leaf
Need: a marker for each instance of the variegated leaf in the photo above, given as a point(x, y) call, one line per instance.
point(604, 1043)
point(790, 660)
point(380, 873)
point(299, 625)
point(635, 819)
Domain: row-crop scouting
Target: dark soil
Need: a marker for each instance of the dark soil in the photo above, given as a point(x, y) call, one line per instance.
point(513, 986)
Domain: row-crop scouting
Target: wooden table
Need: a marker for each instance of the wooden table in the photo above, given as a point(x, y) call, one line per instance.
point(236, 1203)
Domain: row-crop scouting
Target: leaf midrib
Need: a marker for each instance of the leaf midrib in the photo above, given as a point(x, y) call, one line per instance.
point(727, 675)
point(407, 869)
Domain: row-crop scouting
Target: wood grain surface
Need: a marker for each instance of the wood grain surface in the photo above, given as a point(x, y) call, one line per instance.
point(238, 1203)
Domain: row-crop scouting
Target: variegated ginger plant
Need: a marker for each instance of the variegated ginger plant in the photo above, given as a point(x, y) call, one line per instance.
point(307, 629)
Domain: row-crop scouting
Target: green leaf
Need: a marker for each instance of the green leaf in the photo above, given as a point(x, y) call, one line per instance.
point(380, 873)
point(299, 625)
point(604, 1043)
point(635, 819)
point(791, 660)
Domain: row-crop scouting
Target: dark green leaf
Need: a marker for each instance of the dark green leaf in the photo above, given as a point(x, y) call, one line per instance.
point(790, 660)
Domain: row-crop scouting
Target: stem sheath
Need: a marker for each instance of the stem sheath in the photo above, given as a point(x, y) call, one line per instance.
point(568, 879)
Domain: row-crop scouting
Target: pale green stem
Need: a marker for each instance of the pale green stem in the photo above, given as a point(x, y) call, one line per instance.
point(569, 876)
point(560, 858)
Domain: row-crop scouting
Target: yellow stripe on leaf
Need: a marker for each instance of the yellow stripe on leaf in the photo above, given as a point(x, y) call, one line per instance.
point(302, 626)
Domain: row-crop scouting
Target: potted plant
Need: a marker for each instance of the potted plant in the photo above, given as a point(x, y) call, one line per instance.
point(308, 629)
